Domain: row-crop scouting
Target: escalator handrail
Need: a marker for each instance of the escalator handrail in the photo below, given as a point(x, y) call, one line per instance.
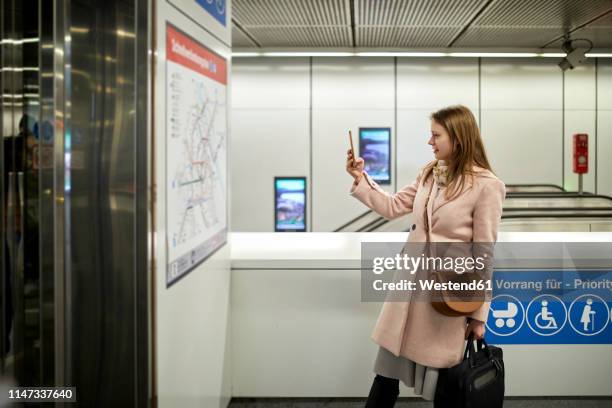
point(531, 215)
point(540, 215)
point(368, 226)
point(548, 194)
point(554, 209)
point(339, 229)
point(558, 195)
point(536, 185)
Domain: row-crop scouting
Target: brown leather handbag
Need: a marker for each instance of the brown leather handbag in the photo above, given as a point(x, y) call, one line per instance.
point(449, 304)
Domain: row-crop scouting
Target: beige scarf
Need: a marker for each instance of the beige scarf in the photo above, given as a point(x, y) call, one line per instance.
point(440, 172)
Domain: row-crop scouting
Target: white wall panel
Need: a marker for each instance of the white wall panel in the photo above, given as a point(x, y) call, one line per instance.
point(288, 326)
point(265, 143)
point(580, 87)
point(604, 84)
point(521, 114)
point(413, 152)
point(524, 146)
point(271, 83)
point(353, 83)
point(331, 202)
point(604, 126)
point(270, 134)
point(192, 317)
point(433, 83)
point(347, 93)
point(604, 148)
point(525, 84)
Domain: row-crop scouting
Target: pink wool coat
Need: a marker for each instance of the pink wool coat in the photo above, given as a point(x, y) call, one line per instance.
point(415, 329)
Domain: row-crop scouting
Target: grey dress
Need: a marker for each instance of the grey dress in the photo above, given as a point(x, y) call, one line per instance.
point(414, 375)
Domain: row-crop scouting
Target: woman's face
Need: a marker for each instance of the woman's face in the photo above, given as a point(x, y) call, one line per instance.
point(440, 142)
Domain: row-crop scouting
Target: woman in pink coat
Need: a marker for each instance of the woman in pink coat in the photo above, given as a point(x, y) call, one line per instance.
point(465, 205)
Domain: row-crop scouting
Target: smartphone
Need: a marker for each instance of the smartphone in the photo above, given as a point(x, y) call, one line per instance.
point(355, 156)
point(352, 147)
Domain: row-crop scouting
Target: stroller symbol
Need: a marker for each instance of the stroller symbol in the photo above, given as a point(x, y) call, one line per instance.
point(505, 317)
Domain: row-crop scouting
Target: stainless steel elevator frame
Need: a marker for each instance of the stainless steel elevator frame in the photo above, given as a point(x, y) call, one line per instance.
point(94, 201)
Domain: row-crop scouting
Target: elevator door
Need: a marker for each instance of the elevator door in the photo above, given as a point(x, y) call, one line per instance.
point(74, 278)
point(21, 332)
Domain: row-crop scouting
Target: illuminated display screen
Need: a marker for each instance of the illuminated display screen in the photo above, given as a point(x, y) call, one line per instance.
point(290, 204)
point(375, 148)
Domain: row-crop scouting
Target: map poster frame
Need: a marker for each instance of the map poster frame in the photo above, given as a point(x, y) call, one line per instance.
point(196, 135)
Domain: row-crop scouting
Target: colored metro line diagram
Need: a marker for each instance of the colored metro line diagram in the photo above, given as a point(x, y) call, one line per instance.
point(196, 153)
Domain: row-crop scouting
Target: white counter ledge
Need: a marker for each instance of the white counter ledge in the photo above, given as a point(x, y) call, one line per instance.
point(342, 250)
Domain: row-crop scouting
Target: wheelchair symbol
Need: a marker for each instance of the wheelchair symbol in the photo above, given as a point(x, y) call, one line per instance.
point(546, 315)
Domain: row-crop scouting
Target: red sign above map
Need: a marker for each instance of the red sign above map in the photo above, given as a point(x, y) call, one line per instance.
point(184, 50)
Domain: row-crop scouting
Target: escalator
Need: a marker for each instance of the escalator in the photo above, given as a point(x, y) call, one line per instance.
point(533, 188)
point(363, 222)
point(531, 202)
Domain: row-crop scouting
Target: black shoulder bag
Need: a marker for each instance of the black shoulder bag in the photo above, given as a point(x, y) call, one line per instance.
point(476, 382)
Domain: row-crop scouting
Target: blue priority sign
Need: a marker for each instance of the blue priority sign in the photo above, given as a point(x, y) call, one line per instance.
point(215, 8)
point(551, 307)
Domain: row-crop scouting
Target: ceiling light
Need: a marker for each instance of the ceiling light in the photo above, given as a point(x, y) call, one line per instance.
point(402, 54)
point(494, 54)
point(308, 54)
point(246, 54)
point(552, 54)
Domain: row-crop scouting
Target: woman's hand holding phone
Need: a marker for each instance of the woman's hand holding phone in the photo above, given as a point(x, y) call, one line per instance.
point(354, 166)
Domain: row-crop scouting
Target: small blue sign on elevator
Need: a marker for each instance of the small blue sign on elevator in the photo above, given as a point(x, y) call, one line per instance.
point(216, 8)
point(551, 307)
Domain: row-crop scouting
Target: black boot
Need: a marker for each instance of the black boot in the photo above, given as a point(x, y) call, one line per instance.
point(383, 393)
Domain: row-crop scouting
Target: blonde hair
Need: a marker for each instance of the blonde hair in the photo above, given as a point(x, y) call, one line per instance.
point(468, 149)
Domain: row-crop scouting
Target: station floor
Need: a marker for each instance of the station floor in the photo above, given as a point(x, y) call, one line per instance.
point(511, 402)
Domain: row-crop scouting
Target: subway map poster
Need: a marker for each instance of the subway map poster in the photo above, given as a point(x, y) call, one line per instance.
point(196, 153)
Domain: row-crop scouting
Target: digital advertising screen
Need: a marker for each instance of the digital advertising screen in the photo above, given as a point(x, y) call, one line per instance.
point(375, 149)
point(290, 204)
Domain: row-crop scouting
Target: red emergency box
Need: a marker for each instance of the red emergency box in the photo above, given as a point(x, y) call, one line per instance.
point(581, 153)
